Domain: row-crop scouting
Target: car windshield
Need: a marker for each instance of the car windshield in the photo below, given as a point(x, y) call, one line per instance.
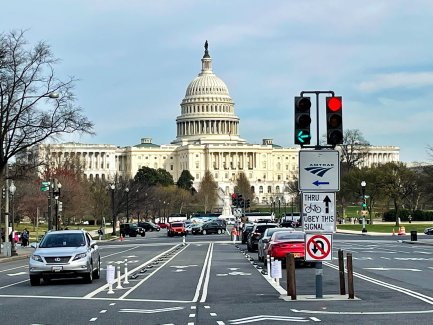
point(270, 231)
point(288, 235)
point(63, 240)
point(261, 229)
point(177, 224)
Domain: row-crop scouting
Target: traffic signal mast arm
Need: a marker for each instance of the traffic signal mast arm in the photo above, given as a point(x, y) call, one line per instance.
point(304, 144)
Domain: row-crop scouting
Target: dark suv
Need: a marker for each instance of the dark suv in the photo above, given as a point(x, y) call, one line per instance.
point(212, 227)
point(256, 233)
point(149, 226)
point(131, 229)
point(246, 229)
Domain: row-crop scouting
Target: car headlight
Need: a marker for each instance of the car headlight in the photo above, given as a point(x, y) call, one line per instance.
point(36, 258)
point(79, 256)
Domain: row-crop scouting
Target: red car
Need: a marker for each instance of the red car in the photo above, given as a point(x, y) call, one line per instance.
point(162, 225)
point(176, 228)
point(284, 242)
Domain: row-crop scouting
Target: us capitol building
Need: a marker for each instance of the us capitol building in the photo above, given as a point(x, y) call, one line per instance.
point(208, 138)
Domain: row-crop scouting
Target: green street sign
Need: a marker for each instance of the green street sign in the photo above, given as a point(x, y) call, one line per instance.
point(45, 186)
point(302, 137)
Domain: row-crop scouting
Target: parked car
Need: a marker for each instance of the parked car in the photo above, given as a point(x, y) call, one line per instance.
point(256, 233)
point(428, 231)
point(149, 226)
point(284, 242)
point(188, 226)
point(131, 230)
point(176, 228)
point(65, 253)
point(163, 225)
point(246, 229)
point(262, 247)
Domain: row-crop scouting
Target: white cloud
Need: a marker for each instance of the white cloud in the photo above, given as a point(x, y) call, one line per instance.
point(397, 80)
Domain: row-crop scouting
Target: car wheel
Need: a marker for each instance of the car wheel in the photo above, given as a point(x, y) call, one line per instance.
point(223, 231)
point(158, 229)
point(204, 232)
point(97, 272)
point(143, 234)
point(35, 280)
point(88, 277)
point(219, 231)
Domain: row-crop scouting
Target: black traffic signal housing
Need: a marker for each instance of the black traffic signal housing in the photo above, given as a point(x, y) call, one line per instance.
point(3, 193)
point(334, 120)
point(240, 201)
point(302, 120)
point(247, 203)
point(235, 199)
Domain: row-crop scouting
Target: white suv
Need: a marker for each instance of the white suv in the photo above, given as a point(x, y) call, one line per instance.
point(62, 254)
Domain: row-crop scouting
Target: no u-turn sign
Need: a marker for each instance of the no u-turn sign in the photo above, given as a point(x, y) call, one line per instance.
point(318, 247)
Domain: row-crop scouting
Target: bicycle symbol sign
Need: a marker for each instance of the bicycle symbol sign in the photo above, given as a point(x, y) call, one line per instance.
point(318, 212)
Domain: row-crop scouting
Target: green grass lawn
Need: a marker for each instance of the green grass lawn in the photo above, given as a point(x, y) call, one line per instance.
point(43, 228)
point(387, 228)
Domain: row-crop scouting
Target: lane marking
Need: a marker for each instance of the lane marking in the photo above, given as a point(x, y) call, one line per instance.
point(306, 311)
point(103, 311)
point(260, 318)
point(149, 311)
point(12, 284)
point(13, 268)
point(200, 280)
point(206, 281)
point(93, 319)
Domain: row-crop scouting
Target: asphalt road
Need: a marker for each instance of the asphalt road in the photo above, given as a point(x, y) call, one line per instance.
point(209, 280)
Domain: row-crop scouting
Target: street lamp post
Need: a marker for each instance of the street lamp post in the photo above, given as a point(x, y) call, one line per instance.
point(279, 207)
point(127, 204)
point(364, 206)
point(112, 188)
point(12, 189)
point(56, 194)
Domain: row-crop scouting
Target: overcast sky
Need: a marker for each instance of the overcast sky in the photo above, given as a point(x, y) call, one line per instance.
point(135, 58)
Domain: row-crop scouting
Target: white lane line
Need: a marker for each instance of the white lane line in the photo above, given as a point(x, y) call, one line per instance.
point(12, 284)
point(400, 312)
point(314, 319)
point(213, 314)
point(151, 274)
point(191, 315)
point(408, 292)
point(207, 307)
point(121, 252)
point(200, 280)
point(206, 282)
point(112, 304)
point(105, 286)
point(193, 307)
point(149, 311)
point(13, 268)
point(219, 322)
point(103, 311)
point(93, 319)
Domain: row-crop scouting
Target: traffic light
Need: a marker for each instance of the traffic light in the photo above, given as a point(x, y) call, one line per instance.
point(334, 120)
point(240, 201)
point(3, 193)
point(302, 120)
point(247, 203)
point(234, 199)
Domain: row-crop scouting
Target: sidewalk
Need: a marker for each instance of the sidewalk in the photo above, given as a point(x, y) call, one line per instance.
point(23, 253)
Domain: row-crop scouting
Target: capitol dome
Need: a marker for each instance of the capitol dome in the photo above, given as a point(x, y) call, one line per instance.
point(207, 110)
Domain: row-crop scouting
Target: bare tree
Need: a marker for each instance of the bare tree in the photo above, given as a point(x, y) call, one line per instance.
point(354, 149)
point(28, 113)
point(243, 187)
point(207, 194)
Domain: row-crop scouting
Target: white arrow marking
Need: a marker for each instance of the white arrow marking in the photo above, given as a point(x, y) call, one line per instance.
point(179, 270)
point(15, 274)
point(233, 268)
point(131, 256)
point(149, 311)
point(268, 317)
point(390, 269)
point(182, 266)
point(239, 273)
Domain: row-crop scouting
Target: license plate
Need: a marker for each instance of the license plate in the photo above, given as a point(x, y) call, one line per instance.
point(297, 255)
point(57, 268)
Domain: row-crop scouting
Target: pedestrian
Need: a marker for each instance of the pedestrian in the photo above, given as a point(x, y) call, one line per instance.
point(100, 233)
point(25, 238)
point(16, 237)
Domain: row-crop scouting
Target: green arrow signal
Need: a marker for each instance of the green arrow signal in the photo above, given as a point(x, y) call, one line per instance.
point(302, 136)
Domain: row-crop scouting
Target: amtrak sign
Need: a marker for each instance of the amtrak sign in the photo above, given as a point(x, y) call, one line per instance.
point(319, 170)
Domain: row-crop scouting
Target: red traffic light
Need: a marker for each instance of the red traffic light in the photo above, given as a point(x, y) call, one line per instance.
point(234, 196)
point(334, 103)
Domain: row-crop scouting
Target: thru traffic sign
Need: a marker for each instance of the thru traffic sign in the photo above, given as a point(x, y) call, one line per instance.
point(318, 212)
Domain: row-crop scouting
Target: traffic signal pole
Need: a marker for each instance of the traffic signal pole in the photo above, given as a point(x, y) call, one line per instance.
point(317, 93)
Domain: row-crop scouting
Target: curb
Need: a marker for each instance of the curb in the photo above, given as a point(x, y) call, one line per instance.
point(14, 258)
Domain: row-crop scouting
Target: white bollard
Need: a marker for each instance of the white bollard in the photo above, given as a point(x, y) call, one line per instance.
point(119, 285)
point(183, 240)
point(126, 272)
point(270, 267)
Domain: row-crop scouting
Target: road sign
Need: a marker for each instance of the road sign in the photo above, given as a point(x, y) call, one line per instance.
point(318, 212)
point(45, 186)
point(319, 170)
point(318, 247)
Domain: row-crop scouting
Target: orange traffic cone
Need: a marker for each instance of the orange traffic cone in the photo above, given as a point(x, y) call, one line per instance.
point(402, 231)
point(393, 232)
